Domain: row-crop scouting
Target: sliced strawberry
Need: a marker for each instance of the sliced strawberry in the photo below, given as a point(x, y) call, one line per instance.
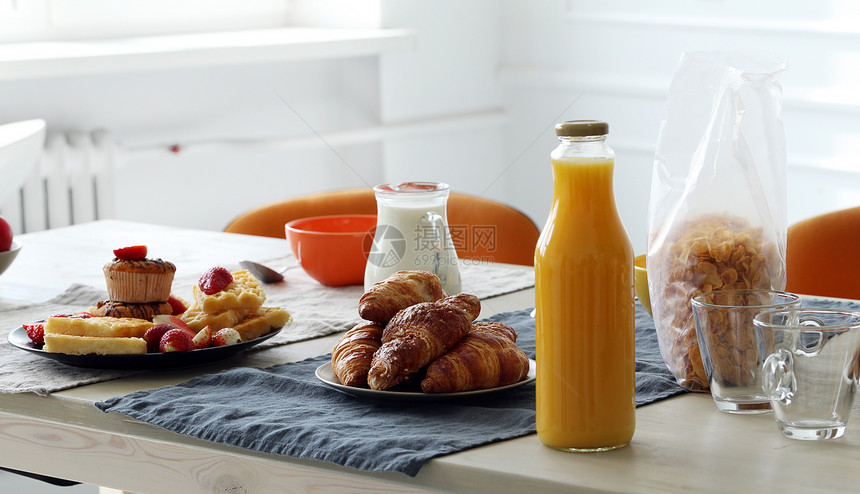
point(177, 305)
point(153, 336)
point(36, 332)
point(173, 321)
point(176, 340)
point(203, 338)
point(214, 280)
point(226, 336)
point(132, 253)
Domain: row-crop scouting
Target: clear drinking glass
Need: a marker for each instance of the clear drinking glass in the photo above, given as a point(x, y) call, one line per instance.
point(811, 375)
point(727, 341)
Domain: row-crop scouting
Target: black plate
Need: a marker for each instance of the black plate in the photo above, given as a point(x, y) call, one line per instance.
point(151, 361)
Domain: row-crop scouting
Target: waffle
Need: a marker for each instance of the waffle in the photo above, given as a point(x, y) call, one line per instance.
point(238, 306)
point(85, 345)
point(244, 293)
point(264, 321)
point(197, 319)
point(106, 327)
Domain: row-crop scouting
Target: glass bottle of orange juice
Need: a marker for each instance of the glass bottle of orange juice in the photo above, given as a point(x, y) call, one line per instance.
point(584, 313)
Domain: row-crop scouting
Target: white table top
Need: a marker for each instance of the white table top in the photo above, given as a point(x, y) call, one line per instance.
point(683, 444)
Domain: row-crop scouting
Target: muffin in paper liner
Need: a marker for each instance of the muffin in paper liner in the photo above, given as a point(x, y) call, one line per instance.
point(139, 281)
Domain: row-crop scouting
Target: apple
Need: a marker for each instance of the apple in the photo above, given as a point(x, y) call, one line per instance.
point(5, 235)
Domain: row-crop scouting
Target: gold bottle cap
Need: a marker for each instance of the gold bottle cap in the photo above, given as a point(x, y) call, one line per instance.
point(581, 128)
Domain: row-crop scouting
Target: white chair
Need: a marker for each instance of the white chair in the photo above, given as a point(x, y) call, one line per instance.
point(21, 144)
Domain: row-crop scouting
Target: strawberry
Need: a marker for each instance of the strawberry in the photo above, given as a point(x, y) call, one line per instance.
point(36, 332)
point(203, 338)
point(153, 336)
point(132, 253)
point(214, 280)
point(226, 336)
point(173, 321)
point(177, 305)
point(176, 340)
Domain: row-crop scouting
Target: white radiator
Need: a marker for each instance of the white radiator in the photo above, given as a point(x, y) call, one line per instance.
point(73, 183)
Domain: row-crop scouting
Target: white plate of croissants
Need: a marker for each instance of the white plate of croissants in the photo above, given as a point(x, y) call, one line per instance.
point(418, 343)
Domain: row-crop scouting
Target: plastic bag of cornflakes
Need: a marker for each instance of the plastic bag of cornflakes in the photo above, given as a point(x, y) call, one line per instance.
point(717, 215)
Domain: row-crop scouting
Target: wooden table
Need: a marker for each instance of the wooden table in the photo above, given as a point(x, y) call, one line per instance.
point(683, 444)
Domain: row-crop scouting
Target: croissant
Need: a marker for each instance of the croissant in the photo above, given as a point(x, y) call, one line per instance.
point(466, 302)
point(486, 358)
point(350, 359)
point(418, 335)
point(399, 291)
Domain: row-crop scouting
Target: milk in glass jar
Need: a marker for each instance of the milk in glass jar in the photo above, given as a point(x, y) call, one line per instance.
point(412, 234)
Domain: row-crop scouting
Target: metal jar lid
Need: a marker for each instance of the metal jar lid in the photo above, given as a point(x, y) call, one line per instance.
point(581, 128)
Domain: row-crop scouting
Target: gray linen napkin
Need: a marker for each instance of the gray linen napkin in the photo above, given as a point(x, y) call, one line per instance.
point(285, 410)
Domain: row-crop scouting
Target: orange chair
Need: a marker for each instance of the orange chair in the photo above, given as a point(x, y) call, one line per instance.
point(823, 255)
point(481, 228)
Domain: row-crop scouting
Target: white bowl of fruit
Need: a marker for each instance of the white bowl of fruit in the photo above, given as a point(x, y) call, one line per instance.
point(8, 248)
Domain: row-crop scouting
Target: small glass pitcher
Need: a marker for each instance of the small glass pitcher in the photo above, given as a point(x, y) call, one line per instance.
point(412, 234)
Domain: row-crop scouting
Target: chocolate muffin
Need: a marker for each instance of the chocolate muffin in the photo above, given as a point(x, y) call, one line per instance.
point(123, 309)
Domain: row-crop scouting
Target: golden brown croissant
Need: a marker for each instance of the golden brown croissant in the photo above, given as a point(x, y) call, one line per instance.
point(351, 357)
point(399, 291)
point(418, 335)
point(486, 358)
point(468, 303)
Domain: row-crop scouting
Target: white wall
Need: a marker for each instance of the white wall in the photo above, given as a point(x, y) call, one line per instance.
point(211, 113)
point(473, 105)
point(433, 113)
point(450, 78)
point(614, 60)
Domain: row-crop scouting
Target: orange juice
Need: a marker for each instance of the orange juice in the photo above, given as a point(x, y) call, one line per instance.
point(584, 310)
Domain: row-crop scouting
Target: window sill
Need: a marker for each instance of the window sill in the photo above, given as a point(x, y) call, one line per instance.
point(86, 57)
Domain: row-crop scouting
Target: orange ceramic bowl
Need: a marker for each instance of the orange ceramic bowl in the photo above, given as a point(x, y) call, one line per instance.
point(640, 279)
point(331, 248)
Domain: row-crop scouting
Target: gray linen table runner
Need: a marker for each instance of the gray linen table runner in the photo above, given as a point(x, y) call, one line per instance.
point(317, 311)
point(285, 410)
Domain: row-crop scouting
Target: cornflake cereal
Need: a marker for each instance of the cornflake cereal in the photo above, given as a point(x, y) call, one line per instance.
point(729, 337)
point(710, 252)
